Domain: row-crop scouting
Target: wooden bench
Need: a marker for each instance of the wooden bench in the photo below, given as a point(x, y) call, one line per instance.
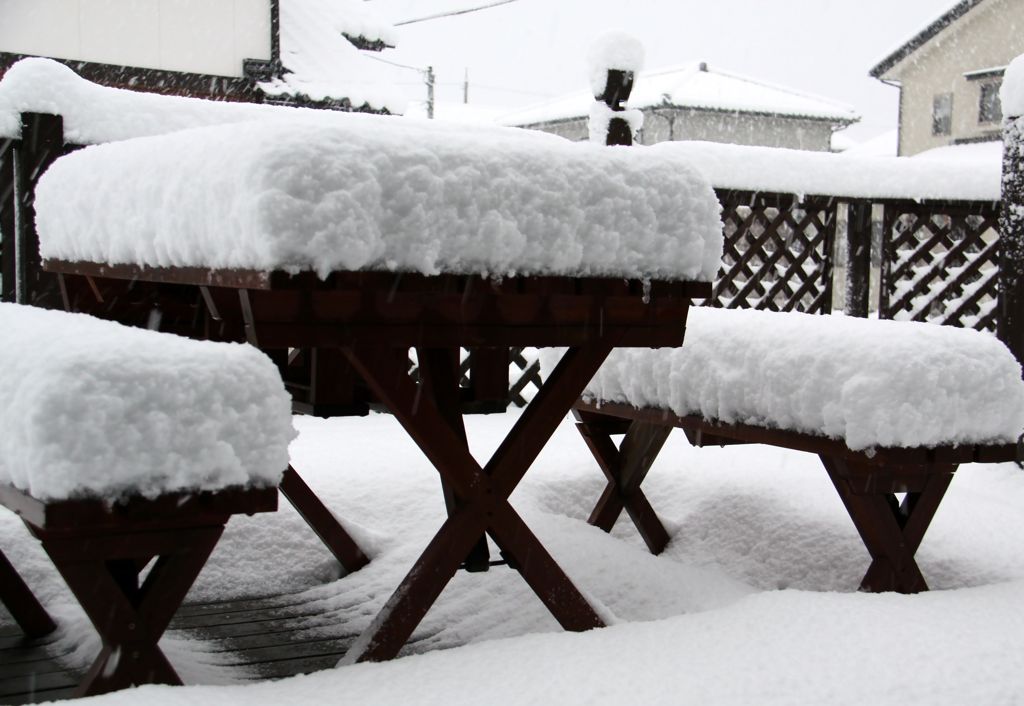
point(130, 526)
point(867, 478)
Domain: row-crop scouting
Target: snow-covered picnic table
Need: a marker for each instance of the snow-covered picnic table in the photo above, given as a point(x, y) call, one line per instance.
point(368, 236)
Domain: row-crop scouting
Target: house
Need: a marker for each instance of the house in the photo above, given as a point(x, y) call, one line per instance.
point(950, 72)
point(315, 53)
point(699, 102)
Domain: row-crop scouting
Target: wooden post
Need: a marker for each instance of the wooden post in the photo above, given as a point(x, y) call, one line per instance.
point(617, 88)
point(7, 276)
point(858, 258)
point(41, 143)
point(1010, 326)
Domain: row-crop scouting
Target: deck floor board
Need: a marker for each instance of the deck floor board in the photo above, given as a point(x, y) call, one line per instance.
point(268, 637)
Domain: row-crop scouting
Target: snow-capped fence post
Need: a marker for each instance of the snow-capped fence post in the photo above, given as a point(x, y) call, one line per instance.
point(1010, 326)
point(41, 143)
point(858, 258)
point(614, 59)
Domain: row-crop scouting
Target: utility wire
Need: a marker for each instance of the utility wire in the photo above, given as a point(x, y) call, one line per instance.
point(453, 13)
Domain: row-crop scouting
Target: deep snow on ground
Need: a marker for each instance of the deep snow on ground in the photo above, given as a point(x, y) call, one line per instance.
point(753, 601)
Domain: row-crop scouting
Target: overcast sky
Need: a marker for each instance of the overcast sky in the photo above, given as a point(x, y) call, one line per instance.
point(520, 53)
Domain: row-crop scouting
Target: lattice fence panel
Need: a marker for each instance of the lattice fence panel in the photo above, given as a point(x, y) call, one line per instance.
point(777, 254)
point(940, 264)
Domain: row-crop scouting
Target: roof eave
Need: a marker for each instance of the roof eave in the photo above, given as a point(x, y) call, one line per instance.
point(922, 37)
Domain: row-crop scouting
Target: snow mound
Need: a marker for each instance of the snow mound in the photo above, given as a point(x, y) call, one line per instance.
point(93, 408)
point(964, 175)
point(868, 382)
point(371, 192)
point(613, 50)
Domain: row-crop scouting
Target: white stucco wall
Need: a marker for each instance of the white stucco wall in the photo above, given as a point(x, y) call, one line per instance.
point(712, 126)
point(988, 36)
point(197, 36)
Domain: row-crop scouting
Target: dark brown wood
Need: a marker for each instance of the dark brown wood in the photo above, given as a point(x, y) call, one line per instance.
point(940, 263)
point(891, 531)
point(198, 276)
point(625, 468)
point(438, 370)
point(323, 522)
point(836, 448)
point(22, 603)
point(41, 143)
point(866, 481)
point(101, 550)
point(7, 269)
point(858, 258)
point(137, 513)
point(482, 495)
point(778, 252)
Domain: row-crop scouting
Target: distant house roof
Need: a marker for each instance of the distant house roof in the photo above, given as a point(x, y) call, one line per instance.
point(323, 55)
point(698, 86)
point(919, 39)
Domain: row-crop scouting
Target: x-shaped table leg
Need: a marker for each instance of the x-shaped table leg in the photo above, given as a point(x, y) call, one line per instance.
point(102, 570)
point(482, 494)
point(891, 531)
point(625, 468)
point(22, 603)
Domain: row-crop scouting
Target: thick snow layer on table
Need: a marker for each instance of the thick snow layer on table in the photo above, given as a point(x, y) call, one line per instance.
point(753, 601)
point(868, 382)
point(970, 174)
point(612, 50)
point(93, 408)
point(371, 192)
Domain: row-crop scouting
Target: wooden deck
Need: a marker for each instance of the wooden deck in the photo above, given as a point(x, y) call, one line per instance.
point(270, 638)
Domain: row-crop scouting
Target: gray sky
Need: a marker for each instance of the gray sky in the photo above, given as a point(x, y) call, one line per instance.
point(520, 53)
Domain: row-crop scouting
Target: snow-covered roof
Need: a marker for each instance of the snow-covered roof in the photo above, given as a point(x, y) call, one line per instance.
point(696, 85)
point(103, 410)
point(866, 382)
point(885, 144)
point(366, 192)
point(322, 63)
point(922, 37)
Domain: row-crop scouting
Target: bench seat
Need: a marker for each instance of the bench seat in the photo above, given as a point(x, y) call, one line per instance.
point(125, 452)
point(889, 407)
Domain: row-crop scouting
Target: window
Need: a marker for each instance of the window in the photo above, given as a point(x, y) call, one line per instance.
point(990, 110)
point(942, 114)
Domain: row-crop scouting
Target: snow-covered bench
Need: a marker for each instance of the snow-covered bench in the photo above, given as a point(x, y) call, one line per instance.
point(890, 407)
point(122, 445)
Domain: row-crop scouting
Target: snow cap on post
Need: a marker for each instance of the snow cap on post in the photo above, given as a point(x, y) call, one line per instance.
point(613, 60)
point(1011, 93)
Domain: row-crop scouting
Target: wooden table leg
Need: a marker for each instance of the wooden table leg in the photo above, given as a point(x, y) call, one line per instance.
point(102, 571)
point(625, 467)
point(482, 493)
point(439, 375)
point(22, 603)
point(322, 521)
point(891, 531)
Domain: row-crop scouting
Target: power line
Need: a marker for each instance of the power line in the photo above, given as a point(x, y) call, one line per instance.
point(453, 13)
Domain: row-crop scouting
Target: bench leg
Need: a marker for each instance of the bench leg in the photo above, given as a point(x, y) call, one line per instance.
point(102, 570)
point(891, 531)
point(625, 468)
point(322, 522)
point(22, 603)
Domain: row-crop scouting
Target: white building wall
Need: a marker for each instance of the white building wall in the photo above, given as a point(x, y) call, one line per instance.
point(195, 36)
